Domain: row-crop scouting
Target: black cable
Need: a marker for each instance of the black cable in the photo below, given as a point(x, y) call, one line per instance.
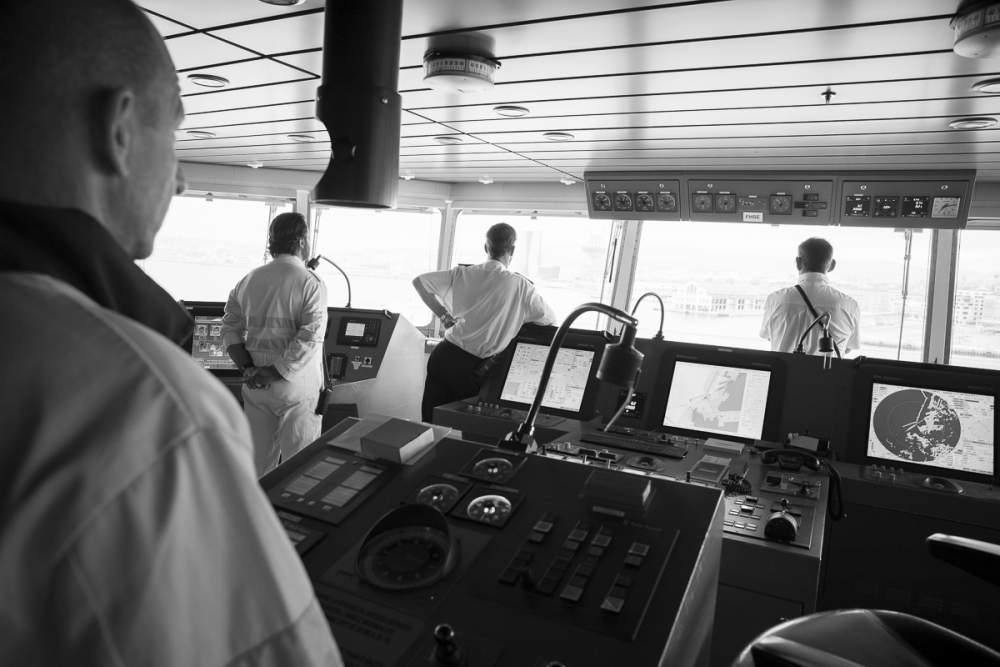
point(798, 348)
point(659, 334)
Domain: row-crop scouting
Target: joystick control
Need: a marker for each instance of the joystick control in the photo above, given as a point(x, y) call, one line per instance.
point(446, 650)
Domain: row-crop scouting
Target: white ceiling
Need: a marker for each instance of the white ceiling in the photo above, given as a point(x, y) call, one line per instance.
point(729, 84)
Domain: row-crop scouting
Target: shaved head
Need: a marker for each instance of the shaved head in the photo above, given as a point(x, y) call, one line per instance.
point(90, 107)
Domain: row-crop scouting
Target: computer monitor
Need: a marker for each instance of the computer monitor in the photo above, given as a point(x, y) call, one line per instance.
point(567, 383)
point(207, 346)
point(712, 399)
point(935, 429)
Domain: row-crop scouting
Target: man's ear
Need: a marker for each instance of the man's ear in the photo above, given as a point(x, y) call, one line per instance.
point(114, 131)
point(798, 263)
point(833, 265)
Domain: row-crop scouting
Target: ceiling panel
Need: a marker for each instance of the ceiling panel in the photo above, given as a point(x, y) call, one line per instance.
point(208, 13)
point(165, 27)
point(640, 84)
point(241, 75)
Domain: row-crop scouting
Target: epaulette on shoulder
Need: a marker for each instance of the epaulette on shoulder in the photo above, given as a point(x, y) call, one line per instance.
point(523, 277)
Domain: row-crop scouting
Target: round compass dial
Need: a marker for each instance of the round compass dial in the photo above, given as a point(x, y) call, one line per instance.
point(439, 496)
point(623, 201)
point(602, 202)
point(644, 202)
point(666, 201)
point(405, 558)
point(492, 509)
point(495, 469)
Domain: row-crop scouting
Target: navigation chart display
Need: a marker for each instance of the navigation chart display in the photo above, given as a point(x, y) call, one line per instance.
point(718, 399)
point(566, 384)
point(207, 346)
point(951, 430)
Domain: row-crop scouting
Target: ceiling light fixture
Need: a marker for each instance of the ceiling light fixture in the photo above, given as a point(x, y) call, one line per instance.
point(255, 164)
point(459, 72)
point(208, 80)
point(301, 137)
point(977, 28)
point(510, 110)
point(566, 180)
point(485, 179)
point(974, 123)
point(283, 3)
point(201, 134)
point(448, 139)
point(558, 136)
point(407, 175)
point(987, 86)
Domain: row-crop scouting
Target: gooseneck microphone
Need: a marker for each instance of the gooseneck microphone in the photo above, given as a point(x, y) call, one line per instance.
point(314, 262)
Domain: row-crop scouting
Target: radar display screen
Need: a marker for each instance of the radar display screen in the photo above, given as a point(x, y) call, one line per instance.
point(948, 430)
point(718, 399)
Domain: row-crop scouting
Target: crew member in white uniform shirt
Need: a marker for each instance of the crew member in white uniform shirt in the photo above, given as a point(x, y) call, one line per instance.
point(273, 329)
point(787, 315)
point(482, 308)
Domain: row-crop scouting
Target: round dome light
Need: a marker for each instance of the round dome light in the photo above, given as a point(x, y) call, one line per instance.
point(558, 136)
point(201, 134)
point(977, 32)
point(208, 80)
point(255, 164)
point(510, 110)
point(987, 86)
point(485, 179)
point(459, 72)
point(448, 139)
point(974, 123)
point(566, 180)
point(283, 3)
point(301, 137)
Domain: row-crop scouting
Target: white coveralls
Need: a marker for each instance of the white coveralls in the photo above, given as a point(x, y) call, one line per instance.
point(279, 312)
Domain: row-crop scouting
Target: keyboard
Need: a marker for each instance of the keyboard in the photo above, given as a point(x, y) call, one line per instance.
point(634, 444)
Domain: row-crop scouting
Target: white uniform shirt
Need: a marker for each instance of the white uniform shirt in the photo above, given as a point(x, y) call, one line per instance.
point(490, 303)
point(786, 316)
point(279, 311)
point(133, 530)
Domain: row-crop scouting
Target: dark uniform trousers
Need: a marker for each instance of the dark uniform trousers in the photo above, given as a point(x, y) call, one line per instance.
point(451, 375)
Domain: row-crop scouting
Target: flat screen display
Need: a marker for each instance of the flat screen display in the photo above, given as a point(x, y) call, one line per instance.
point(724, 400)
point(567, 384)
point(207, 347)
point(949, 430)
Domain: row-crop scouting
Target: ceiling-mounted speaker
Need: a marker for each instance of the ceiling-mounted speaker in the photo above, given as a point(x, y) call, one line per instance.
point(359, 104)
point(977, 28)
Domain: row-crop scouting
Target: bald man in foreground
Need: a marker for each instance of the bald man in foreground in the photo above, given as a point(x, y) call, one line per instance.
point(132, 529)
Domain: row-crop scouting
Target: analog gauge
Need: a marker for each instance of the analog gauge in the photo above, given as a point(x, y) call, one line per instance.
point(643, 201)
point(725, 203)
point(441, 497)
point(492, 510)
point(781, 204)
point(885, 207)
point(701, 202)
point(945, 207)
point(494, 469)
point(405, 558)
point(666, 201)
point(623, 201)
point(602, 202)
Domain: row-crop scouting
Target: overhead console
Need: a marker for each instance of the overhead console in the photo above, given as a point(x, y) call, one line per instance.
point(923, 199)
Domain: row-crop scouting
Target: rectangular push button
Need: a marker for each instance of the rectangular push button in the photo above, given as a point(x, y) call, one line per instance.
point(639, 549)
point(612, 605)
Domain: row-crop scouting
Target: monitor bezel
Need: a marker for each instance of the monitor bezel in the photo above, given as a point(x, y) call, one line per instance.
point(586, 403)
point(920, 377)
point(728, 359)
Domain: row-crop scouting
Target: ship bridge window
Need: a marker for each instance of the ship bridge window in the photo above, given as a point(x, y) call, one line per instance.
point(565, 256)
point(207, 243)
point(714, 279)
point(381, 252)
point(975, 319)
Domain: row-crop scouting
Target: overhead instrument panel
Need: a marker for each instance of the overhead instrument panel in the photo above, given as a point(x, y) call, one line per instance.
point(625, 196)
point(930, 199)
point(919, 199)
